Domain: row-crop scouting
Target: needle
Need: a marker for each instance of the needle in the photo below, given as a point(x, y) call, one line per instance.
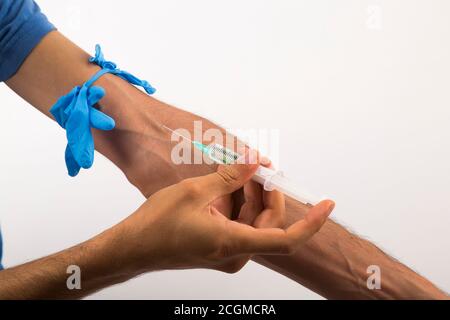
point(180, 135)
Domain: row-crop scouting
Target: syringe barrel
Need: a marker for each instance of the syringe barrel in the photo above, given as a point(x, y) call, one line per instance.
point(268, 178)
point(273, 180)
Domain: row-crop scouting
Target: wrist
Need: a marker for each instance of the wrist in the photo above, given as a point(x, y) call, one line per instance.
point(139, 145)
point(133, 246)
point(110, 261)
point(134, 142)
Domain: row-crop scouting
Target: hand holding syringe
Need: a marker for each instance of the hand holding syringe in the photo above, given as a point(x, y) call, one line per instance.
point(268, 178)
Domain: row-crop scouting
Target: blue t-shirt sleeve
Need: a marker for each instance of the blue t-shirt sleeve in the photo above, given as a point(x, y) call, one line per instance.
point(22, 26)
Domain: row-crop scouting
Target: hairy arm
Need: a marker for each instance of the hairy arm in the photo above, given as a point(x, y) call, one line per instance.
point(47, 278)
point(333, 263)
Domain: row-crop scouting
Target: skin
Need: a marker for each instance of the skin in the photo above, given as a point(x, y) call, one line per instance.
point(176, 228)
point(333, 263)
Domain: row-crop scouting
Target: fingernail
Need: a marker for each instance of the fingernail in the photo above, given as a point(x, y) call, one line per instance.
point(330, 208)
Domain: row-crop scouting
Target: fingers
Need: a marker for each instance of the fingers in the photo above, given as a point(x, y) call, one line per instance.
point(272, 218)
point(253, 204)
point(274, 214)
point(248, 240)
point(272, 199)
point(98, 119)
point(79, 135)
point(228, 178)
point(72, 165)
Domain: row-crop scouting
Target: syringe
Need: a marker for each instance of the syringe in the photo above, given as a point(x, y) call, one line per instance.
point(268, 178)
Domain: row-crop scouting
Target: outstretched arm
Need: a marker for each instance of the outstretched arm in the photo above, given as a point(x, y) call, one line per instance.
point(333, 263)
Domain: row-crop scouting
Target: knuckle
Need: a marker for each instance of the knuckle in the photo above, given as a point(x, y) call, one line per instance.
point(316, 225)
point(288, 247)
point(191, 188)
point(223, 249)
point(281, 222)
point(254, 205)
point(229, 176)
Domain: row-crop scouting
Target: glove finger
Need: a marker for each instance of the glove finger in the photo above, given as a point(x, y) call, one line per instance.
point(79, 134)
point(72, 166)
point(101, 121)
point(95, 94)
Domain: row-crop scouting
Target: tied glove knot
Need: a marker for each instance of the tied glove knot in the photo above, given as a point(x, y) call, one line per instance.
point(76, 112)
point(99, 59)
point(111, 67)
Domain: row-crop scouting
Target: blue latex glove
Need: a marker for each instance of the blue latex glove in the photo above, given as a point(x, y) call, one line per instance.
point(76, 113)
point(99, 59)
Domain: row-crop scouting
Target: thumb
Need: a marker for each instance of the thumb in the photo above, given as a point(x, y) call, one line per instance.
point(229, 178)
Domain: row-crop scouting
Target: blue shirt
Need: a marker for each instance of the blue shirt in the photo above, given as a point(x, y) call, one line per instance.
point(22, 26)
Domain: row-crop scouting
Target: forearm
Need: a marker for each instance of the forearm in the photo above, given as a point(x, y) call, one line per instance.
point(332, 264)
point(47, 278)
point(57, 65)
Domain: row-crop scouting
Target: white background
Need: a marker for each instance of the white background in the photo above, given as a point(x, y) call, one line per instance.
point(358, 89)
